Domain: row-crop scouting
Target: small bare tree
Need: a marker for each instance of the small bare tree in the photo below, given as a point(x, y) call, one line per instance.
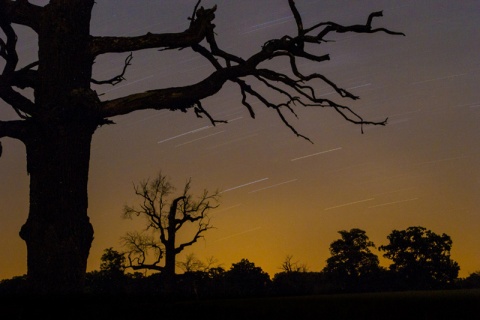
point(192, 263)
point(165, 216)
point(289, 265)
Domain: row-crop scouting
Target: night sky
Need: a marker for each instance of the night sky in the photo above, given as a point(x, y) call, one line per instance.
point(283, 195)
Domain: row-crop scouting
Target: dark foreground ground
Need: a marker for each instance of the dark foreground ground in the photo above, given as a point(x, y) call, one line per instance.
point(455, 305)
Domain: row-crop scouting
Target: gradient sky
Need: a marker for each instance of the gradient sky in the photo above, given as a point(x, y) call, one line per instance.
point(283, 195)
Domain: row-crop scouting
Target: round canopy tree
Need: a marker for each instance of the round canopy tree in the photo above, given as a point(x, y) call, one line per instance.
point(244, 279)
point(421, 258)
point(351, 260)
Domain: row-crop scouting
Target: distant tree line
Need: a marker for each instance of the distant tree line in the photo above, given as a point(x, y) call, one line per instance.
point(420, 261)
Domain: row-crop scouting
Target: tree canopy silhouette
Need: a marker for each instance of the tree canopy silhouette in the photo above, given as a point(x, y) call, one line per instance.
point(245, 278)
point(113, 261)
point(57, 125)
point(351, 260)
point(421, 258)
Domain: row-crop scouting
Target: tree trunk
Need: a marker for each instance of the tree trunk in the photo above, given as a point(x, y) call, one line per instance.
point(169, 270)
point(170, 252)
point(58, 233)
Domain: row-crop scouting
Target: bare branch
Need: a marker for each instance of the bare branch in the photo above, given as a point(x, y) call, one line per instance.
point(7, 49)
point(280, 114)
point(334, 27)
point(199, 110)
point(207, 54)
point(296, 15)
point(248, 89)
point(289, 266)
point(295, 89)
point(22, 105)
point(26, 77)
point(177, 98)
point(21, 12)
point(305, 78)
point(139, 247)
point(243, 89)
point(195, 238)
point(216, 51)
point(13, 129)
point(194, 14)
point(193, 35)
point(117, 79)
point(191, 264)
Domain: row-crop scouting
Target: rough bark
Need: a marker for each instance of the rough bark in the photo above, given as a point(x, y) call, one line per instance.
point(58, 233)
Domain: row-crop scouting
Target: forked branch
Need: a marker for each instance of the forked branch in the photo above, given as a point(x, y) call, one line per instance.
point(119, 78)
point(21, 12)
point(10, 77)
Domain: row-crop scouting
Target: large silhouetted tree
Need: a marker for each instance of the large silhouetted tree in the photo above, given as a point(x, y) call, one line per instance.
point(421, 258)
point(352, 261)
point(165, 216)
point(58, 123)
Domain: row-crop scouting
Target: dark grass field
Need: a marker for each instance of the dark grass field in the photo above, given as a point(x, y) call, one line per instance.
point(454, 305)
